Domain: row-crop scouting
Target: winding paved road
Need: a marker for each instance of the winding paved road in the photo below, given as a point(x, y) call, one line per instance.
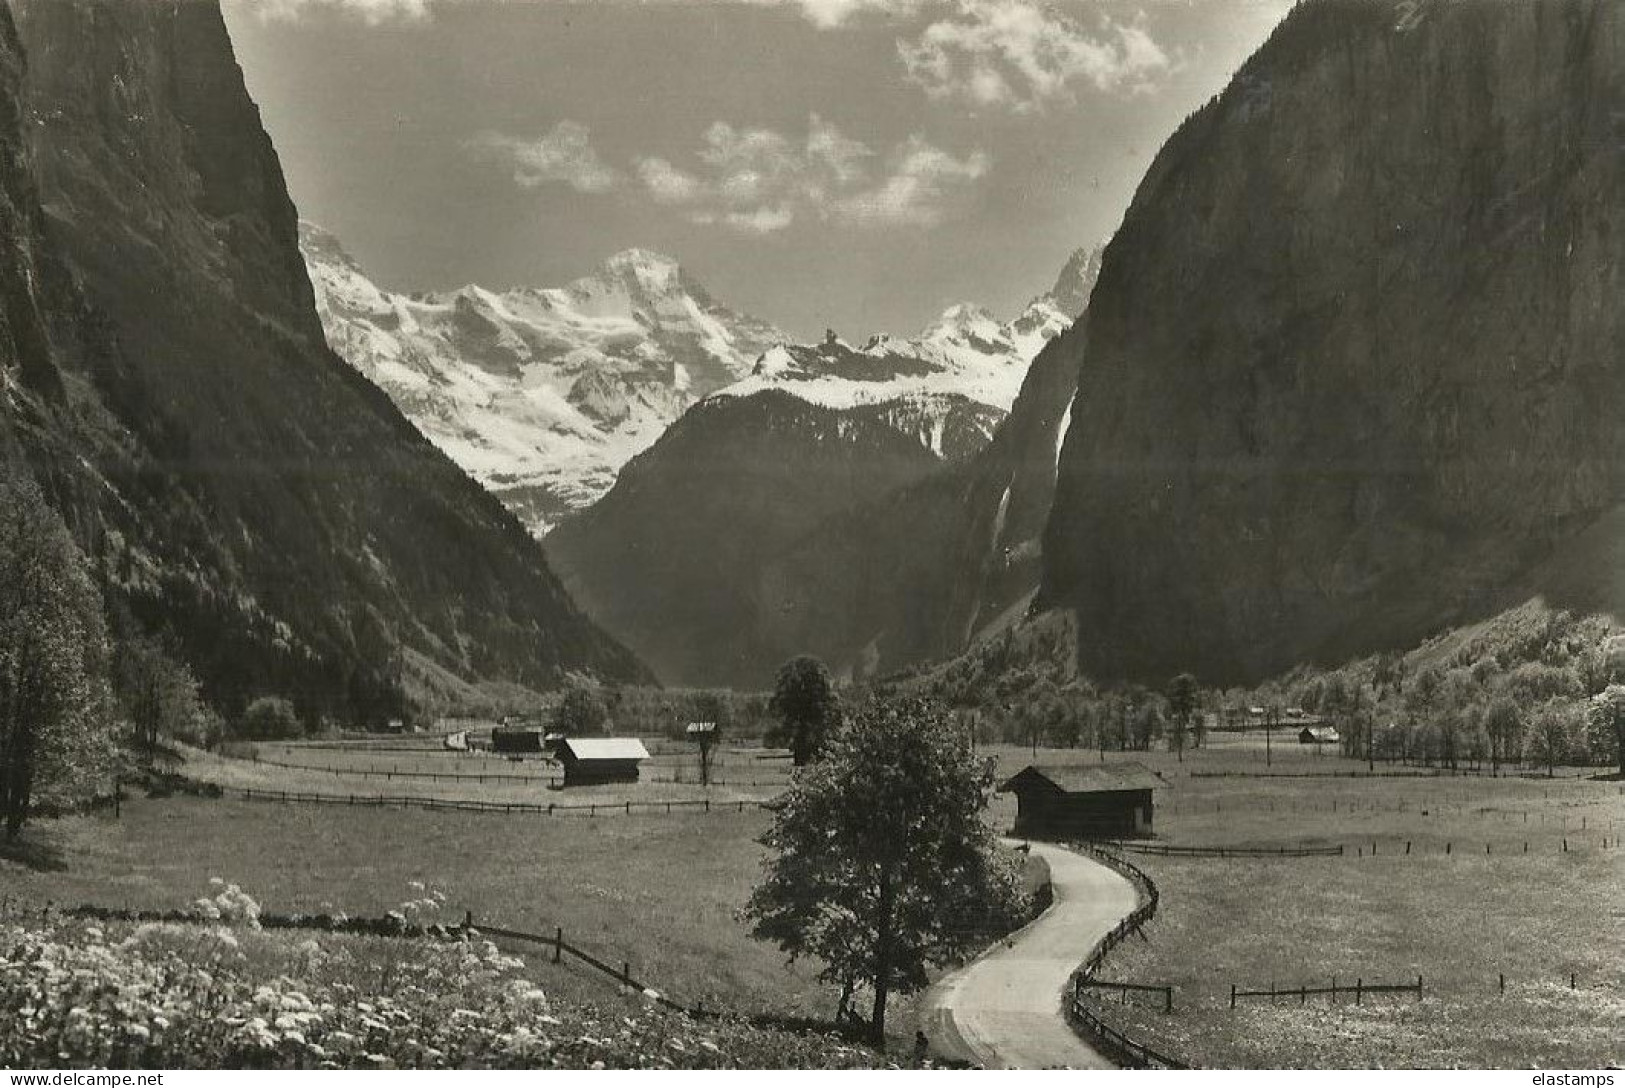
point(1003, 1010)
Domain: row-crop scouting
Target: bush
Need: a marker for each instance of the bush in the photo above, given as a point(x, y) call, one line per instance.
point(269, 718)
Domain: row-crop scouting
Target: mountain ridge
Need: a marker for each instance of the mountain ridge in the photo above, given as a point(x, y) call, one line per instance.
point(1353, 355)
point(239, 490)
point(543, 394)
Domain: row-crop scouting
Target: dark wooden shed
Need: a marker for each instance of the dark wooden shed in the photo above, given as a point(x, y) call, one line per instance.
point(1113, 801)
point(593, 761)
point(516, 739)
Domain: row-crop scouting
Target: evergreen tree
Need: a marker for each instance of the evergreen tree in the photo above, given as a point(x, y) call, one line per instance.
point(55, 721)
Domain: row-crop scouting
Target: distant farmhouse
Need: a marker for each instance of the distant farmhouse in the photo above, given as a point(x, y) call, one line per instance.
point(1319, 734)
point(518, 739)
point(1100, 802)
point(594, 761)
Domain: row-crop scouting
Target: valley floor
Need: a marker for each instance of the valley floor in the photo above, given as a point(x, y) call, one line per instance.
point(660, 893)
point(1465, 906)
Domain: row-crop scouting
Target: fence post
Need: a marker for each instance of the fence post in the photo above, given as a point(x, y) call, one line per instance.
point(626, 973)
point(558, 943)
point(1407, 846)
point(1167, 999)
point(1418, 987)
point(1571, 980)
point(1232, 995)
point(1359, 984)
point(1503, 982)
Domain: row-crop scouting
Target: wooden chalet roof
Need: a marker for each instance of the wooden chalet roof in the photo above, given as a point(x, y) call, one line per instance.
point(602, 748)
point(1081, 778)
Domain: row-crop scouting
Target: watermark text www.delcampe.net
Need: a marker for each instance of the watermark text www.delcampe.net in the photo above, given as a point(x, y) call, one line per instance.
point(85, 1080)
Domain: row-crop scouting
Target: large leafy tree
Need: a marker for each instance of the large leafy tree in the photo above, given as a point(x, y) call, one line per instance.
point(271, 718)
point(1549, 737)
point(581, 713)
point(159, 694)
point(882, 864)
point(1505, 725)
point(1606, 715)
point(1183, 699)
point(806, 705)
point(55, 720)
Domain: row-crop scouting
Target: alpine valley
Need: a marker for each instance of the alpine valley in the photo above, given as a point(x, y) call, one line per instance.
point(875, 505)
point(543, 394)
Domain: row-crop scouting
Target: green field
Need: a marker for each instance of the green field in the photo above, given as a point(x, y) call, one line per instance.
point(1459, 920)
point(660, 892)
point(1459, 923)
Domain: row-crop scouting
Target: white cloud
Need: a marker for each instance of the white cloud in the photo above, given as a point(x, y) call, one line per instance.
point(826, 14)
point(1021, 55)
point(373, 12)
point(667, 184)
point(915, 189)
point(761, 181)
point(563, 156)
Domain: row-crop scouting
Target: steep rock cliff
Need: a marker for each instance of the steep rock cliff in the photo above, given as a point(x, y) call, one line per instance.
point(1355, 355)
point(238, 486)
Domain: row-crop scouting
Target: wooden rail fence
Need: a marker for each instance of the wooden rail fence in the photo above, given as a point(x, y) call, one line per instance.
point(393, 926)
point(461, 805)
point(1358, 991)
point(1126, 988)
point(1126, 1050)
point(496, 777)
point(1168, 850)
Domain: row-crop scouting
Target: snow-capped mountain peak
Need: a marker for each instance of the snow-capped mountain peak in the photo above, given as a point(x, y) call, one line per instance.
point(966, 356)
point(540, 393)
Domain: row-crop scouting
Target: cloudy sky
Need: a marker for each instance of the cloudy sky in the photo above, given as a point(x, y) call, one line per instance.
point(856, 164)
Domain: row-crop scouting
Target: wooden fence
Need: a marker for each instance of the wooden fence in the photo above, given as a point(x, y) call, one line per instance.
point(547, 778)
point(461, 805)
point(393, 926)
point(1372, 848)
point(1358, 991)
point(1127, 1051)
point(1126, 988)
point(1168, 850)
point(561, 948)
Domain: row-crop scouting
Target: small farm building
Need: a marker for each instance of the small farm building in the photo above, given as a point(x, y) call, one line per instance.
point(516, 738)
point(593, 761)
point(1103, 802)
point(1318, 734)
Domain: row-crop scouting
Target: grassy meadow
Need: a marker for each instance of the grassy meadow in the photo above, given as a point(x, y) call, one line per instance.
point(1459, 920)
point(221, 993)
point(661, 892)
point(655, 891)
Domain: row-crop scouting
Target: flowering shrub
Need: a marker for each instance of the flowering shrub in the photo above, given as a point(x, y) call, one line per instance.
point(223, 993)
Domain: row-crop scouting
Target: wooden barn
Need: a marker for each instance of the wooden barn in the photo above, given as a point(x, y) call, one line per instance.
point(593, 761)
point(1110, 801)
point(517, 739)
point(1319, 734)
